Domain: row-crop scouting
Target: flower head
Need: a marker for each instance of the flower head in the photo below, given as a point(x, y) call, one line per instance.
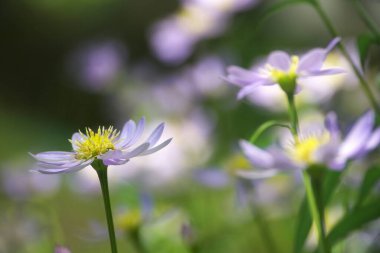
point(325, 146)
point(106, 144)
point(283, 70)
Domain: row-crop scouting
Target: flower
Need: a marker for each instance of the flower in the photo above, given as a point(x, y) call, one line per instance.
point(283, 70)
point(107, 144)
point(325, 146)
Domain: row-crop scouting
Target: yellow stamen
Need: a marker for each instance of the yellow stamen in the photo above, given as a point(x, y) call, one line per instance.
point(304, 150)
point(95, 143)
point(278, 75)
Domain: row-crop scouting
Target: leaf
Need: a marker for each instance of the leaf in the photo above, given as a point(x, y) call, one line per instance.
point(330, 182)
point(372, 176)
point(364, 43)
point(354, 220)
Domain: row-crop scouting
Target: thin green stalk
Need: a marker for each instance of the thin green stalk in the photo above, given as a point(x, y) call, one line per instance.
point(317, 210)
point(364, 84)
point(264, 127)
point(293, 116)
point(367, 18)
point(101, 169)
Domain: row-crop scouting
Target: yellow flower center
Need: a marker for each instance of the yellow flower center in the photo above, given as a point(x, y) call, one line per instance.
point(304, 150)
point(278, 75)
point(95, 143)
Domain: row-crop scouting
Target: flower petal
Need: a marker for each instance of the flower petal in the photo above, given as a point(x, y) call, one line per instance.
point(126, 134)
point(77, 137)
point(69, 169)
point(255, 175)
point(258, 157)
point(311, 61)
point(323, 72)
point(373, 141)
point(279, 60)
point(331, 124)
point(53, 156)
point(358, 137)
point(214, 178)
point(156, 148)
point(135, 152)
point(156, 134)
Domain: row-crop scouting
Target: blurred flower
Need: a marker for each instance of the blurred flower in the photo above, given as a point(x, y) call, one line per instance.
point(108, 145)
point(323, 146)
point(97, 65)
point(20, 185)
point(61, 249)
point(316, 90)
point(130, 220)
point(173, 38)
point(247, 191)
point(283, 70)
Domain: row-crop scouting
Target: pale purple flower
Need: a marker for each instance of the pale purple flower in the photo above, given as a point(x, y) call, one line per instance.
point(282, 68)
point(109, 145)
point(318, 147)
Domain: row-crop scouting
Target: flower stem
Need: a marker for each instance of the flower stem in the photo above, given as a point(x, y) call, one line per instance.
point(364, 84)
point(293, 116)
point(316, 209)
point(101, 170)
point(366, 18)
point(314, 200)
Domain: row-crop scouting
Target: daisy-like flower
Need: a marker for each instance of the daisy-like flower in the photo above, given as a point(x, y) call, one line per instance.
point(283, 70)
point(106, 144)
point(324, 146)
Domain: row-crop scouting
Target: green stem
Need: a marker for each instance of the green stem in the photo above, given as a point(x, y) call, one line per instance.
point(317, 210)
point(101, 169)
point(364, 84)
point(267, 125)
point(366, 18)
point(293, 116)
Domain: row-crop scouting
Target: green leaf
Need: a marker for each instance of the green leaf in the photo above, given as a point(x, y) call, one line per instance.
point(354, 220)
point(330, 182)
point(364, 43)
point(372, 176)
